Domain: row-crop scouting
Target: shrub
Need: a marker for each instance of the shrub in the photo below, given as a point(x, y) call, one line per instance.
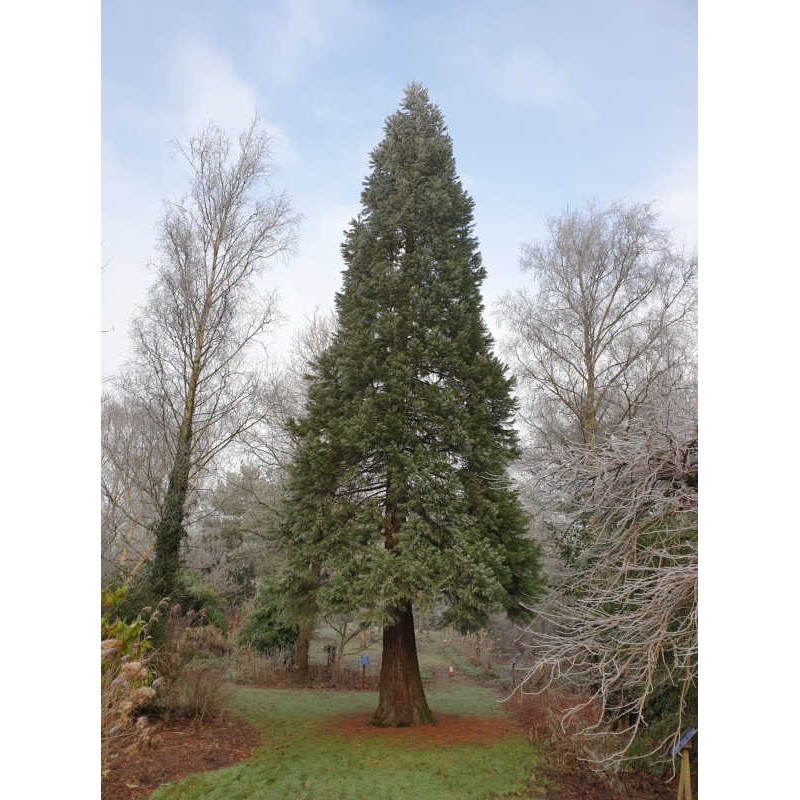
point(134, 600)
point(203, 640)
point(202, 600)
point(138, 601)
point(659, 711)
point(126, 674)
point(197, 691)
point(268, 627)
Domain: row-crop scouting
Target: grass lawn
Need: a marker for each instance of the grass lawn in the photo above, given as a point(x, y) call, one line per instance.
point(317, 744)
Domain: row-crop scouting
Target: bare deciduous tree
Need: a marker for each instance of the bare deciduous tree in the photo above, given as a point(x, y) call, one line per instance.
point(134, 462)
point(346, 629)
point(301, 581)
point(622, 624)
point(605, 327)
point(272, 441)
point(202, 317)
point(604, 350)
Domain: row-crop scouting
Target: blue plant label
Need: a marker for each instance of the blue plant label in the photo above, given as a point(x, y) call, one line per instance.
point(685, 739)
point(364, 661)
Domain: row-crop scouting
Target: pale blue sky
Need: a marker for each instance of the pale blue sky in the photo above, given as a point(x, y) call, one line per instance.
point(548, 104)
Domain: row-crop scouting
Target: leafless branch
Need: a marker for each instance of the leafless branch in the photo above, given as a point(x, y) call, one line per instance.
point(622, 624)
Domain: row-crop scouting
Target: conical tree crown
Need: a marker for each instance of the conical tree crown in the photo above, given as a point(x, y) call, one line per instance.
point(400, 475)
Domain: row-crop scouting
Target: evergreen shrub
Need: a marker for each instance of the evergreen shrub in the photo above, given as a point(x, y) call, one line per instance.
point(268, 628)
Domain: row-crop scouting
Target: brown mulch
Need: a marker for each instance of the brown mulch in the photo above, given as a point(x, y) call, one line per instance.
point(449, 729)
point(181, 747)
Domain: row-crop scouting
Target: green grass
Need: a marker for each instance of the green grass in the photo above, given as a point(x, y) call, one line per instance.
point(303, 757)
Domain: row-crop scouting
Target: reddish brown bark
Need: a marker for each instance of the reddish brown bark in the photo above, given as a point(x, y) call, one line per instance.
point(307, 619)
point(301, 651)
point(401, 698)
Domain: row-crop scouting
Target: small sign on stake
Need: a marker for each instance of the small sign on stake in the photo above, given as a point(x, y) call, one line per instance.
point(685, 739)
point(685, 779)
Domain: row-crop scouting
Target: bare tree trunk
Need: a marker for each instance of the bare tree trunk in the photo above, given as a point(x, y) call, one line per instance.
point(401, 699)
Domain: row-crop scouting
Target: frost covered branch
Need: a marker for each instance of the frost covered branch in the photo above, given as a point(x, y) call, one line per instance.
point(622, 625)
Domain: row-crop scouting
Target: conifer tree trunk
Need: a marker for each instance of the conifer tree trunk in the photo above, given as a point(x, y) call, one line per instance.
point(401, 699)
point(302, 647)
point(301, 650)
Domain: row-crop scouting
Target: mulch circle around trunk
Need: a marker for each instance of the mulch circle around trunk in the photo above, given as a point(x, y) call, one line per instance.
point(449, 729)
point(182, 747)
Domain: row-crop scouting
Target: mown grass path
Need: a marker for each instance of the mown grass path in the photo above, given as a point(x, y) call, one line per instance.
point(317, 744)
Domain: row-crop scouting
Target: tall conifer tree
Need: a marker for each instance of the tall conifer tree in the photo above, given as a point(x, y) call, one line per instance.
point(398, 494)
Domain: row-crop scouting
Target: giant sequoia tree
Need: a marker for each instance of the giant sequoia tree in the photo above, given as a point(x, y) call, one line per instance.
point(398, 495)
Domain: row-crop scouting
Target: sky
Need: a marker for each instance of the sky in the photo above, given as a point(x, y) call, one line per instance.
point(549, 104)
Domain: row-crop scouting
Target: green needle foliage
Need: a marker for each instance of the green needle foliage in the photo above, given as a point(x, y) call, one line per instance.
point(398, 494)
point(267, 628)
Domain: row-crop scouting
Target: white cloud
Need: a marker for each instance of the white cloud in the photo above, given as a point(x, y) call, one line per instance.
point(130, 208)
point(206, 88)
point(201, 86)
point(674, 191)
point(295, 34)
